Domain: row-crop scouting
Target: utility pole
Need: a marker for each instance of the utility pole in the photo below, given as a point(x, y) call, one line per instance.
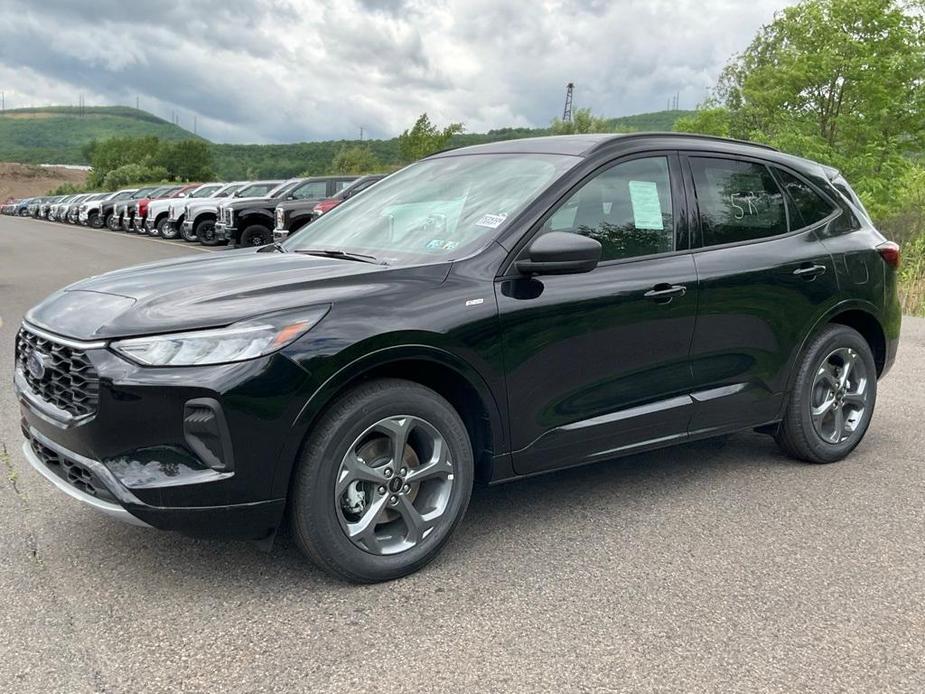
point(567, 110)
point(195, 125)
point(137, 103)
point(361, 133)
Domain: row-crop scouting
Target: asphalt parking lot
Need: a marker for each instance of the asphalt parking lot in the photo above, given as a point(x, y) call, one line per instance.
point(717, 566)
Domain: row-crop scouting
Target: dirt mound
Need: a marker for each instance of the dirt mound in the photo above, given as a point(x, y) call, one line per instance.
point(25, 180)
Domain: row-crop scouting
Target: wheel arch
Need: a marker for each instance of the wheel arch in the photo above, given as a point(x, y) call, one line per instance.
point(443, 372)
point(859, 315)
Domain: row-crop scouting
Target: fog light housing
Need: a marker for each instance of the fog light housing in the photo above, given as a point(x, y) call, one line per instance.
point(206, 432)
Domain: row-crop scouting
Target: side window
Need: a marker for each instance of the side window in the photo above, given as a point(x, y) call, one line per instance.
point(311, 191)
point(340, 185)
point(738, 201)
point(627, 208)
point(808, 206)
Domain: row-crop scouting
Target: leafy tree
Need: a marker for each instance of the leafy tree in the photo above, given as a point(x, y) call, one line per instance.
point(583, 121)
point(356, 159)
point(185, 160)
point(839, 81)
point(117, 152)
point(65, 189)
point(133, 173)
point(425, 138)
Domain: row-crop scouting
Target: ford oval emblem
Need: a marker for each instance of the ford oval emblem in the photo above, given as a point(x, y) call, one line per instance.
point(36, 365)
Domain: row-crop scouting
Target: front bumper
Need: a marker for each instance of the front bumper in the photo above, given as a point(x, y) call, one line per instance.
point(136, 453)
point(223, 232)
point(280, 234)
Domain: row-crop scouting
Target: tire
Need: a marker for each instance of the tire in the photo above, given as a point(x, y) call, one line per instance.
point(207, 236)
point(94, 221)
point(318, 519)
point(159, 228)
point(256, 235)
point(192, 236)
point(169, 233)
point(846, 405)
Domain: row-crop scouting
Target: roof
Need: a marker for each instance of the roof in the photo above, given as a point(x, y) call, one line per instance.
point(583, 145)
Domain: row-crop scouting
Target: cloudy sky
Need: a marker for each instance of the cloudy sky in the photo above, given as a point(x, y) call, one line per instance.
point(294, 70)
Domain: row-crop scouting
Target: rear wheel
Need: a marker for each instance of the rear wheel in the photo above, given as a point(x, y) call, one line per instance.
point(383, 481)
point(832, 401)
point(256, 235)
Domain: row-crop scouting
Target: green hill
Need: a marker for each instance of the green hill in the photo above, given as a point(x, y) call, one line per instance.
point(233, 162)
point(57, 134)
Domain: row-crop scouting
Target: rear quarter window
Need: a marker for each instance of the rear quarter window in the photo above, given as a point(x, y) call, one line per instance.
point(808, 207)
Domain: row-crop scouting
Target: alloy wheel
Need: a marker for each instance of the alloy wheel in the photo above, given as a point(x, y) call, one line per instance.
point(393, 485)
point(839, 396)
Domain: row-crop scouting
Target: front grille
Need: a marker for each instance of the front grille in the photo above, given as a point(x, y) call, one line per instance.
point(69, 382)
point(75, 474)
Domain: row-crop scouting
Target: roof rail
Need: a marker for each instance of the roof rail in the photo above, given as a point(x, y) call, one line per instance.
point(696, 136)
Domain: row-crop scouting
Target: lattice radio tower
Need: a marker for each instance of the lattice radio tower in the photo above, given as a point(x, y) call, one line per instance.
point(567, 111)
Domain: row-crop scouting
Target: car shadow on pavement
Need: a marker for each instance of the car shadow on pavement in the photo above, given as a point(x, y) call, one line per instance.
point(520, 513)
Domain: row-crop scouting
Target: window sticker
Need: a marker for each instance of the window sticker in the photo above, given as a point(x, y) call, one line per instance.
point(647, 210)
point(492, 221)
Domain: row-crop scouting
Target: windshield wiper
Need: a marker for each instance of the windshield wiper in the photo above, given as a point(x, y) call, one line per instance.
point(345, 255)
point(275, 246)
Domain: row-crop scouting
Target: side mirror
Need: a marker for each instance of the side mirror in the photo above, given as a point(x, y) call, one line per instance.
point(561, 253)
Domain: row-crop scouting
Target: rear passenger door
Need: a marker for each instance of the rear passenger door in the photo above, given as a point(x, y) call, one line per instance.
point(764, 277)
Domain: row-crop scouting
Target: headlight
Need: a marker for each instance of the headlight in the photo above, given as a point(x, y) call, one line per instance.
point(238, 342)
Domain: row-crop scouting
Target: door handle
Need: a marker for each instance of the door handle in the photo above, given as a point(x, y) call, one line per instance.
point(664, 293)
point(810, 272)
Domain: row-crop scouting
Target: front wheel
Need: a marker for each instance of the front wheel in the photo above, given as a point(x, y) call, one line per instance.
point(256, 235)
point(161, 230)
point(95, 222)
point(832, 401)
point(383, 481)
point(207, 236)
point(191, 234)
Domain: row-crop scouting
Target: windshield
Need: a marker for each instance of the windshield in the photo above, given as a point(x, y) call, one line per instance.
point(143, 192)
point(257, 190)
point(124, 195)
point(435, 209)
point(204, 192)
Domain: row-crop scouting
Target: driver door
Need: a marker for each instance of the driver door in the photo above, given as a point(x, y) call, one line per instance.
point(598, 363)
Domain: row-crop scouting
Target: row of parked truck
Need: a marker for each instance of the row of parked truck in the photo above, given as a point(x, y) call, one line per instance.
point(241, 213)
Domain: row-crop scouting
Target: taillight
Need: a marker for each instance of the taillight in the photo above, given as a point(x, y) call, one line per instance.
point(889, 251)
point(325, 206)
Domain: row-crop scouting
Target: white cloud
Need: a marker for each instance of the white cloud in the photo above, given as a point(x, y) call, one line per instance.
point(280, 71)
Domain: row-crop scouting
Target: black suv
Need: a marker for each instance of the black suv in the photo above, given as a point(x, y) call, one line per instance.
point(249, 221)
point(299, 208)
point(487, 313)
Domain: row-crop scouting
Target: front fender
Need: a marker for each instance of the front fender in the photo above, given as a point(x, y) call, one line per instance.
point(352, 370)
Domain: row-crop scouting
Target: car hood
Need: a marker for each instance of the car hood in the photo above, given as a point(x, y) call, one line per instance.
point(210, 291)
point(240, 203)
point(290, 205)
